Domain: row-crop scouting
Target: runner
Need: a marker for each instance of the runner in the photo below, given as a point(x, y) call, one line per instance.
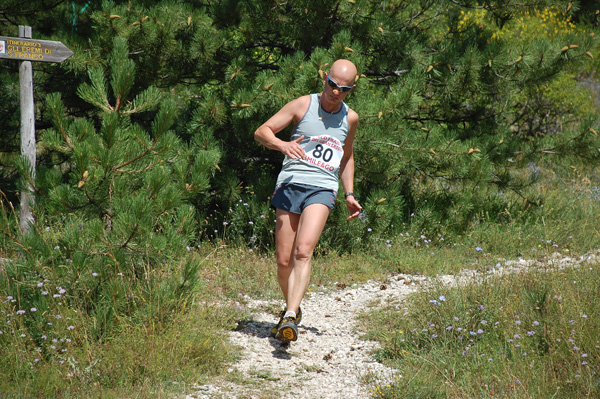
point(320, 150)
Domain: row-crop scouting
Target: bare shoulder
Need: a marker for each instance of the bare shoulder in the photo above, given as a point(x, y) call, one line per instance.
point(352, 117)
point(299, 105)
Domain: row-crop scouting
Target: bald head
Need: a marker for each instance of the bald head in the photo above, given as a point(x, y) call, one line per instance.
point(344, 72)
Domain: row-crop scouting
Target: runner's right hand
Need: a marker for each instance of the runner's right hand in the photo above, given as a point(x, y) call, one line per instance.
point(293, 149)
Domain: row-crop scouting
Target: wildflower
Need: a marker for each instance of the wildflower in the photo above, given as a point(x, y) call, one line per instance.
point(94, 274)
point(61, 290)
point(369, 229)
point(480, 331)
point(483, 322)
point(481, 307)
point(584, 316)
point(33, 309)
point(530, 333)
point(575, 348)
point(584, 355)
point(448, 328)
point(40, 285)
point(584, 363)
point(536, 323)
point(251, 223)
point(518, 322)
point(442, 298)
point(516, 336)
point(70, 328)
point(47, 228)
point(224, 224)
point(20, 312)
point(478, 249)
point(23, 335)
point(187, 248)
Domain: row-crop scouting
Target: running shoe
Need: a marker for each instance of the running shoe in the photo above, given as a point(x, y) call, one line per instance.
point(275, 328)
point(288, 330)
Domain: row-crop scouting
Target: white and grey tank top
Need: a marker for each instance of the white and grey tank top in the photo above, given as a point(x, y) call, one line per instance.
point(324, 137)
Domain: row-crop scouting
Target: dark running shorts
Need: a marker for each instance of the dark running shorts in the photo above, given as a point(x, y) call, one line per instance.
point(294, 198)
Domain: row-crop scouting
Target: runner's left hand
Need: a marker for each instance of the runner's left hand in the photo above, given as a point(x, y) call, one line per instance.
point(353, 207)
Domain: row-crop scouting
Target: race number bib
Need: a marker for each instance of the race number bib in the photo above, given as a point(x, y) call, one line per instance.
point(325, 152)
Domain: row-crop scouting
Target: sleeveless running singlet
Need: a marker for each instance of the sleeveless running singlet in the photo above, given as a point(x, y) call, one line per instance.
point(324, 137)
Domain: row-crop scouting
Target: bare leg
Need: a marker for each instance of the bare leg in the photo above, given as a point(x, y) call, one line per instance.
point(285, 236)
point(294, 260)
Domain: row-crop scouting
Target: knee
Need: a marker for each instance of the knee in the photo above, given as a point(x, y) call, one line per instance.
point(303, 253)
point(283, 262)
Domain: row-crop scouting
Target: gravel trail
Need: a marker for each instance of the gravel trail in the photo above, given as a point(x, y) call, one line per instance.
point(330, 360)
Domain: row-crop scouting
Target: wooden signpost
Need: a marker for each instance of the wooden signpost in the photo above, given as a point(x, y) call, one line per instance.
point(26, 49)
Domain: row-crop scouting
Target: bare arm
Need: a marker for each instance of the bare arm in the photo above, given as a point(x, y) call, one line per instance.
point(291, 112)
point(347, 166)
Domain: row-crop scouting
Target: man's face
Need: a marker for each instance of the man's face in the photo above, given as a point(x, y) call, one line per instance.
point(338, 87)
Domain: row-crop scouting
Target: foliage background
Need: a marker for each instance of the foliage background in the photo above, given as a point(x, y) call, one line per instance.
point(146, 157)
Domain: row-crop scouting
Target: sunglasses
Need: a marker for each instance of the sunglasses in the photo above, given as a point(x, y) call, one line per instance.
point(335, 86)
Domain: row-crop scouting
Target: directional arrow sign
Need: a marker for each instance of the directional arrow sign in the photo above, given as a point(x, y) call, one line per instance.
point(19, 48)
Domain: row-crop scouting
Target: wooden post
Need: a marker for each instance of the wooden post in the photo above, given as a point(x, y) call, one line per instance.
point(28, 143)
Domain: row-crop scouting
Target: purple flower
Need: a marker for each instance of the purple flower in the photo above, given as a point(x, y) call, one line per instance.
point(480, 331)
point(516, 336)
point(518, 322)
point(478, 249)
point(530, 333)
point(481, 307)
point(536, 323)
